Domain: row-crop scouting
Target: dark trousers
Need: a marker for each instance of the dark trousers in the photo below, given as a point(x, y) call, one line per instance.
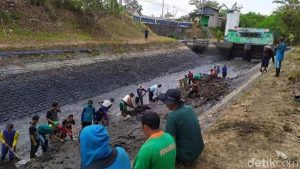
point(33, 149)
point(190, 80)
point(140, 100)
point(224, 75)
point(84, 124)
point(278, 67)
point(5, 151)
point(44, 142)
point(151, 94)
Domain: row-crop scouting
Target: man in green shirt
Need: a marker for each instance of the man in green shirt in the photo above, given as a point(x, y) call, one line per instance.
point(159, 151)
point(184, 126)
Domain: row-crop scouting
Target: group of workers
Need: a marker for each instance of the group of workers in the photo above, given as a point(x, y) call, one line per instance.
point(216, 71)
point(181, 142)
point(163, 148)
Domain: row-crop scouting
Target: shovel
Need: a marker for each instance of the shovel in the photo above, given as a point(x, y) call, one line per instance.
point(21, 161)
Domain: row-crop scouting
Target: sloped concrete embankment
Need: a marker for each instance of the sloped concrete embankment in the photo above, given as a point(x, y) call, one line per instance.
point(33, 92)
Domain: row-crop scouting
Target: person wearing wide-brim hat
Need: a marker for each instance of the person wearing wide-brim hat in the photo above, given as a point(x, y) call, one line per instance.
point(182, 123)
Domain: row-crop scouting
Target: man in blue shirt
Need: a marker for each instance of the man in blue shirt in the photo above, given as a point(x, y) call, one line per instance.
point(153, 91)
point(87, 114)
point(96, 153)
point(279, 55)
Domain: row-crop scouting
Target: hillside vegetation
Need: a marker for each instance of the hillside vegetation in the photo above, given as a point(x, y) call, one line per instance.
point(49, 22)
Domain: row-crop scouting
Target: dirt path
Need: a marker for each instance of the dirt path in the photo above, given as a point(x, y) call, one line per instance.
point(265, 119)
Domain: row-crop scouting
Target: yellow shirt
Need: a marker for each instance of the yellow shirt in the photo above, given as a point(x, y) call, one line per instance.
point(16, 138)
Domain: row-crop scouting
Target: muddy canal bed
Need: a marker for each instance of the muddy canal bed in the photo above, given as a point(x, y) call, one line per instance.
point(126, 133)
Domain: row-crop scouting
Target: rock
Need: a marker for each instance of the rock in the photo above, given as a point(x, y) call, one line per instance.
point(281, 154)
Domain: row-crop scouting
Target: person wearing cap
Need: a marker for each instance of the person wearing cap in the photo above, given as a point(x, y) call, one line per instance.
point(52, 114)
point(280, 50)
point(267, 55)
point(125, 103)
point(159, 151)
point(140, 94)
point(96, 152)
point(33, 136)
point(183, 125)
point(9, 139)
point(87, 114)
point(153, 91)
point(47, 129)
point(101, 116)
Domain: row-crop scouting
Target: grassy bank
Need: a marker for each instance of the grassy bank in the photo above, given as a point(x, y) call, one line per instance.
point(29, 26)
point(261, 124)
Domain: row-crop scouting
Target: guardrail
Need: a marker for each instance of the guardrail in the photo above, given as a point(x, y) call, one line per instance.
point(148, 20)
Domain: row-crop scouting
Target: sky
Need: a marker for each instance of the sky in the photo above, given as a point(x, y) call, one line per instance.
point(182, 7)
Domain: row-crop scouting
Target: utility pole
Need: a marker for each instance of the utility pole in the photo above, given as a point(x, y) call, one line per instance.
point(163, 6)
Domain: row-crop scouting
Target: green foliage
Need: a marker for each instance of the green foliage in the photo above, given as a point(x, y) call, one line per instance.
point(251, 20)
point(134, 4)
point(95, 7)
point(8, 17)
point(199, 3)
point(219, 35)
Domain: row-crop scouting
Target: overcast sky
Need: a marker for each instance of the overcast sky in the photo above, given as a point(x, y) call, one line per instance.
point(153, 7)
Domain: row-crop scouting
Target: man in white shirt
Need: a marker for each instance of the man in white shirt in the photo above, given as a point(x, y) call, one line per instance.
point(125, 103)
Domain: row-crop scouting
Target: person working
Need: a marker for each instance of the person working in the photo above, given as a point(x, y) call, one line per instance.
point(153, 91)
point(280, 50)
point(125, 103)
point(224, 71)
point(190, 76)
point(183, 125)
point(87, 114)
point(52, 114)
point(140, 94)
point(9, 139)
point(159, 151)
point(67, 126)
point(101, 116)
point(96, 152)
point(47, 129)
point(218, 70)
point(33, 136)
point(146, 33)
point(267, 55)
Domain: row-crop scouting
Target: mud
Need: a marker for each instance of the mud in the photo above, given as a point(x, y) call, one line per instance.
point(125, 133)
point(128, 134)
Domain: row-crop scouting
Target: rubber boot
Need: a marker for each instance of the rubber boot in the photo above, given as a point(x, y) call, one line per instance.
point(277, 72)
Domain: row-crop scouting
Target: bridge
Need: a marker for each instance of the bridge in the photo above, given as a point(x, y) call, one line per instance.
point(164, 27)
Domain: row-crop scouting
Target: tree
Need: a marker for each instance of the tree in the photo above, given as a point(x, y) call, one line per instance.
point(168, 15)
point(251, 20)
point(200, 3)
point(289, 12)
point(134, 4)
